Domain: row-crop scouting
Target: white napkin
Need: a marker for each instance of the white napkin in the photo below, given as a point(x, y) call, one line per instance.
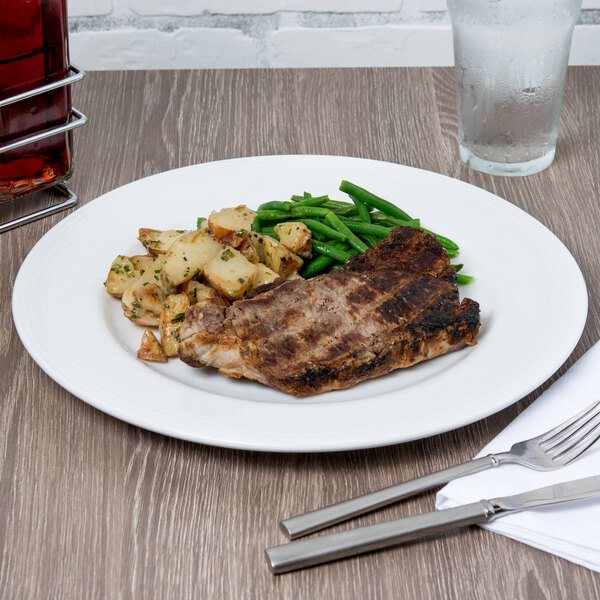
point(571, 530)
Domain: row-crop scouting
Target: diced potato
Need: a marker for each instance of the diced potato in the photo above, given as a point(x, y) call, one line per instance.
point(158, 242)
point(247, 249)
point(171, 317)
point(143, 304)
point(150, 348)
point(126, 271)
point(187, 258)
point(264, 275)
point(200, 292)
point(231, 225)
point(275, 255)
point(294, 275)
point(230, 273)
point(296, 237)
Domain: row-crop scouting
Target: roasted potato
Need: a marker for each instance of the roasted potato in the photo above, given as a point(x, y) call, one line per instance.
point(158, 242)
point(150, 348)
point(263, 275)
point(142, 304)
point(231, 225)
point(275, 255)
point(200, 292)
point(187, 258)
point(127, 271)
point(296, 237)
point(247, 249)
point(171, 317)
point(230, 273)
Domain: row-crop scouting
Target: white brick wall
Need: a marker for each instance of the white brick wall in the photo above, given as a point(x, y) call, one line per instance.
point(170, 34)
point(149, 48)
point(256, 7)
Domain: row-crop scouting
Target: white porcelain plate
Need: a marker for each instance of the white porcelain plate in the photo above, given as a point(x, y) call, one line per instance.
point(532, 317)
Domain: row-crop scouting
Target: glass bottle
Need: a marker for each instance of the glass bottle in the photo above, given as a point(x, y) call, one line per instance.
point(33, 52)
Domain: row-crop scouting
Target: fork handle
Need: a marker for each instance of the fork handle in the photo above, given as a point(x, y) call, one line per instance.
point(316, 520)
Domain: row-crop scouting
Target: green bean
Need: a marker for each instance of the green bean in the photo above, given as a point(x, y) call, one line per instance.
point(316, 266)
point(346, 211)
point(458, 267)
point(272, 215)
point(255, 225)
point(309, 211)
point(464, 279)
point(318, 201)
point(379, 217)
point(363, 211)
point(444, 241)
point(275, 205)
point(268, 230)
point(330, 250)
point(314, 225)
point(373, 200)
point(199, 222)
point(321, 262)
point(451, 253)
point(371, 240)
point(368, 228)
point(336, 223)
point(412, 223)
point(338, 203)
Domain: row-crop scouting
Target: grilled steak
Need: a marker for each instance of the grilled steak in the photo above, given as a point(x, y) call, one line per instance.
point(390, 307)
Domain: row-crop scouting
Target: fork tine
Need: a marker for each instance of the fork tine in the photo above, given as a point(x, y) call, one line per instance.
point(570, 454)
point(572, 435)
point(569, 425)
point(568, 441)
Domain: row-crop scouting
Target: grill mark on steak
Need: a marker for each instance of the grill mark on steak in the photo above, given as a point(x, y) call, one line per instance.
point(390, 307)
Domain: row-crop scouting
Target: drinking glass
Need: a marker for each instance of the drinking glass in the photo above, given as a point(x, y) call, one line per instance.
point(510, 61)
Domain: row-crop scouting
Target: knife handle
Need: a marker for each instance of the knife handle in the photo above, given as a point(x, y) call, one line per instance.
point(325, 548)
point(315, 520)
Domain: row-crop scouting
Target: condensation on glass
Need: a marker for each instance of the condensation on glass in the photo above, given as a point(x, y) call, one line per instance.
point(510, 61)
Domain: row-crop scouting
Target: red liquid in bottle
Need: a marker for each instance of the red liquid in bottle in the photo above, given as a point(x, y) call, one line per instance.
point(33, 52)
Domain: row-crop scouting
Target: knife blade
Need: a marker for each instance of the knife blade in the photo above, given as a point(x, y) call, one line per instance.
point(334, 546)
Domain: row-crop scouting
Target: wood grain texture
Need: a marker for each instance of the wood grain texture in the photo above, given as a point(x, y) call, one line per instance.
point(94, 508)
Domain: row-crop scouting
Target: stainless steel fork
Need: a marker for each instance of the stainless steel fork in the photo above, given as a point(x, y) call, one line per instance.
point(551, 450)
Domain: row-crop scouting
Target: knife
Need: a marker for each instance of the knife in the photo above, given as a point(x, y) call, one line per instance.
point(325, 548)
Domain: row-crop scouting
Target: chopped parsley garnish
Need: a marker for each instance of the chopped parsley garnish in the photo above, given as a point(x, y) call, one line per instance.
point(227, 254)
point(179, 318)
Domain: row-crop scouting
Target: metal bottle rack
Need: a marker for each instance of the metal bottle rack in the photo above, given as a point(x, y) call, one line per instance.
point(76, 119)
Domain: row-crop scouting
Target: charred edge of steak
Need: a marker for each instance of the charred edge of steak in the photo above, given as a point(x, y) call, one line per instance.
point(407, 247)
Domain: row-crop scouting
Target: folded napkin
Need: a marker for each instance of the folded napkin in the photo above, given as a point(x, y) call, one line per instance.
point(571, 530)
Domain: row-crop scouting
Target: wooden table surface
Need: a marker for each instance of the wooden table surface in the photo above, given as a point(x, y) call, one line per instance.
point(91, 507)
